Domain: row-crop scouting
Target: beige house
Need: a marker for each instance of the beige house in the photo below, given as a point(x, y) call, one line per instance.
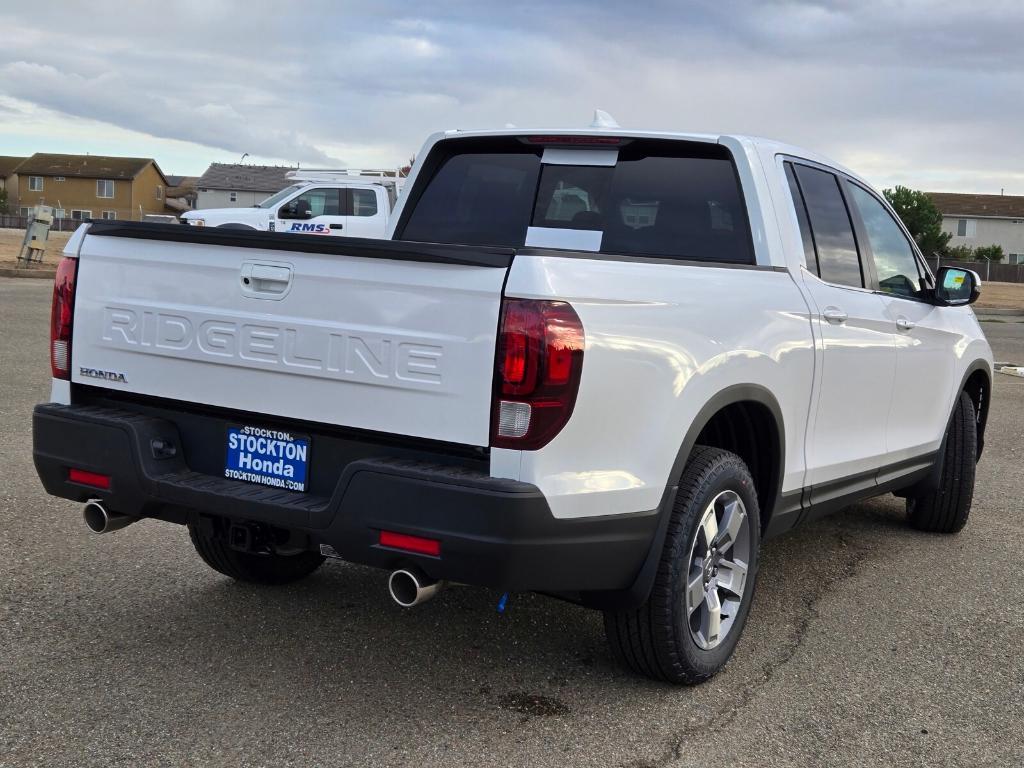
point(9, 179)
point(92, 186)
point(977, 220)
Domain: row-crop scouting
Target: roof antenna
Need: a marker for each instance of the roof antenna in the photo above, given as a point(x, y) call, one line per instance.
point(603, 120)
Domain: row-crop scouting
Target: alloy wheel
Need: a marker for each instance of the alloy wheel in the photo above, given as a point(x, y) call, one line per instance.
point(718, 563)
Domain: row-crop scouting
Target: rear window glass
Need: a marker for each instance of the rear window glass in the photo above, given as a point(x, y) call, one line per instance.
point(476, 198)
point(836, 246)
point(662, 198)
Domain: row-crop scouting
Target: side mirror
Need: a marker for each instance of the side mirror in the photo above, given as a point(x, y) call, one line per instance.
point(956, 287)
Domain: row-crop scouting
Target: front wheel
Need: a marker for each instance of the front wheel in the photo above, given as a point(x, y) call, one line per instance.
point(945, 509)
point(687, 629)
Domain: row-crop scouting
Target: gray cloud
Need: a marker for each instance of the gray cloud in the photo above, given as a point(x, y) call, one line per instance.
point(922, 93)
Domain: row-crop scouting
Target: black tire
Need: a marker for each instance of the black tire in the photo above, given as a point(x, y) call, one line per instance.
point(946, 509)
point(655, 639)
point(251, 567)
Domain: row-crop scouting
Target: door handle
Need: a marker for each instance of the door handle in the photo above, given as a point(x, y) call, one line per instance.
point(267, 274)
point(905, 325)
point(266, 281)
point(834, 315)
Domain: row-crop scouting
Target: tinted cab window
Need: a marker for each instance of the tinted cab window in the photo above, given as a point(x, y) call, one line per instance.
point(659, 198)
point(893, 255)
point(831, 228)
point(477, 197)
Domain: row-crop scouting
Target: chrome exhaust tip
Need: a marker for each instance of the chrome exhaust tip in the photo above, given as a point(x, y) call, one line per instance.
point(408, 588)
point(100, 520)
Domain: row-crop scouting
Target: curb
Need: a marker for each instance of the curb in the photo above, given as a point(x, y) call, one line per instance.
point(42, 274)
point(1011, 369)
point(997, 311)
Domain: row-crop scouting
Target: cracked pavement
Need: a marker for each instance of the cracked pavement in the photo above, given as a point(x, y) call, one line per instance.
point(868, 644)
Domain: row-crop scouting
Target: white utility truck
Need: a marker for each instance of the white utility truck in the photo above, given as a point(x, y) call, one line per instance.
point(348, 203)
point(599, 364)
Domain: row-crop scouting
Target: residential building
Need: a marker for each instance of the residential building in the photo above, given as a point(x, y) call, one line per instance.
point(92, 186)
point(229, 185)
point(977, 220)
point(181, 193)
point(9, 179)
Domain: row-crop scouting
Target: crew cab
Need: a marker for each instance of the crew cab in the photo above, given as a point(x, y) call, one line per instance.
point(599, 364)
point(347, 203)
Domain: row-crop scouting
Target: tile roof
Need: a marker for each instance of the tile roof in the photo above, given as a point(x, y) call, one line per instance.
point(8, 164)
point(86, 166)
point(245, 178)
point(999, 206)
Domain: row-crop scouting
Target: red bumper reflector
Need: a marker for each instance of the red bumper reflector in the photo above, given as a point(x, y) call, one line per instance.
point(89, 478)
point(416, 544)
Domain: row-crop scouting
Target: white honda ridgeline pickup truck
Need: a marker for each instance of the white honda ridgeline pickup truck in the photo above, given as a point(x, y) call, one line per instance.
point(601, 365)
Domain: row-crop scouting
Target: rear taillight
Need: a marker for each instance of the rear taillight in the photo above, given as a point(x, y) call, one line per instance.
point(540, 358)
point(61, 314)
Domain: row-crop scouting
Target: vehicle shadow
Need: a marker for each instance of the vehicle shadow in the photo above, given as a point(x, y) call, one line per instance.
point(334, 652)
point(340, 624)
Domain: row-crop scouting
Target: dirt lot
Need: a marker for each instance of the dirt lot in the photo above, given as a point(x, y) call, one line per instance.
point(10, 244)
point(1001, 296)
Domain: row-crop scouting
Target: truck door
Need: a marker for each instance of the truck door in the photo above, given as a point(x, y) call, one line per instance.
point(316, 211)
point(367, 211)
point(927, 338)
point(846, 438)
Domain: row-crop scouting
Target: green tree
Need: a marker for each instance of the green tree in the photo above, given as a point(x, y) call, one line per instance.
point(3, 201)
point(921, 217)
point(988, 253)
point(960, 253)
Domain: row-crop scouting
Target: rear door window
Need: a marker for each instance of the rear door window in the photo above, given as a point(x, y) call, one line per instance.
point(810, 257)
point(363, 202)
point(661, 198)
point(831, 227)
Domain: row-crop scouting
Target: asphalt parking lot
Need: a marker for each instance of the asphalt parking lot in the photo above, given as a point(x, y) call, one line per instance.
point(868, 644)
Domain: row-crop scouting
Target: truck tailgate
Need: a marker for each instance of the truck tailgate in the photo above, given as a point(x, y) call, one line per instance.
point(376, 335)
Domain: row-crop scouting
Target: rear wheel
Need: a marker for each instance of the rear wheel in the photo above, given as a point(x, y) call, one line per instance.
point(946, 508)
point(256, 568)
point(692, 620)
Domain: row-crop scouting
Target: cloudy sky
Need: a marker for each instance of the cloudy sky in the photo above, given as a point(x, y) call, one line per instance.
point(928, 94)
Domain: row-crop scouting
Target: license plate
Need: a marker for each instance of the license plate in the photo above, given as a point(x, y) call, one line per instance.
point(267, 457)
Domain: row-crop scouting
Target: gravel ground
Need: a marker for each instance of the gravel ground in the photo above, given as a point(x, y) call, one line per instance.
point(868, 644)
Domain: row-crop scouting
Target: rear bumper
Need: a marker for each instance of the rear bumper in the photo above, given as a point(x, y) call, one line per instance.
point(493, 532)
